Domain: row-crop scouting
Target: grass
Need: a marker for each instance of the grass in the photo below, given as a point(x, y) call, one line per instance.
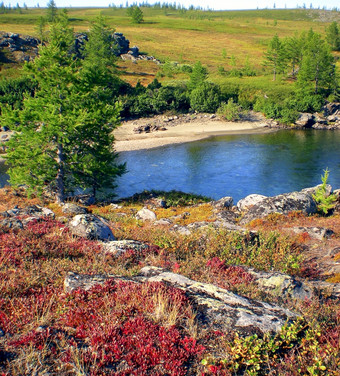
point(170, 34)
point(126, 328)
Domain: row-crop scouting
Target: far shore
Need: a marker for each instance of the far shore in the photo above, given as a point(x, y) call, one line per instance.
point(181, 132)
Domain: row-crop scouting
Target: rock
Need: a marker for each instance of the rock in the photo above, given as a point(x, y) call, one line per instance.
point(34, 212)
point(146, 215)
point(119, 247)
point(312, 190)
point(282, 204)
point(215, 307)
point(228, 216)
point(305, 120)
point(12, 223)
point(134, 51)
point(90, 227)
point(319, 233)
point(282, 285)
point(330, 108)
point(224, 202)
point(163, 222)
point(249, 201)
point(71, 208)
point(334, 117)
point(318, 118)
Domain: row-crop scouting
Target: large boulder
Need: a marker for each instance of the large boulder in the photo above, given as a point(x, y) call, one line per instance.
point(215, 307)
point(90, 227)
point(71, 208)
point(282, 204)
point(146, 215)
point(224, 203)
point(305, 120)
point(249, 201)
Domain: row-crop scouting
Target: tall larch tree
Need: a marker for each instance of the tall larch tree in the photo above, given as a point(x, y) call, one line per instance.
point(63, 133)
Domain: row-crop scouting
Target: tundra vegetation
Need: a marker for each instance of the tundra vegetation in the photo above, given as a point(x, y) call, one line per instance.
point(67, 107)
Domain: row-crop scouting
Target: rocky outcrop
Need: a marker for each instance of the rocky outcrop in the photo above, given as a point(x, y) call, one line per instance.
point(282, 204)
point(146, 215)
point(89, 226)
point(328, 118)
point(21, 47)
point(318, 233)
point(215, 307)
point(71, 208)
point(249, 201)
point(119, 247)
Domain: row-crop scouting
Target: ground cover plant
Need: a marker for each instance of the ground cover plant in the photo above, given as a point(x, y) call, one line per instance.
point(128, 328)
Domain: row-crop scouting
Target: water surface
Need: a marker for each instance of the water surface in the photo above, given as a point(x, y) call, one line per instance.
point(234, 165)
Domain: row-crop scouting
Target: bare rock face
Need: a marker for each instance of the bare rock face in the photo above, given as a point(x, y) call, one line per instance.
point(282, 204)
point(146, 215)
point(216, 307)
point(318, 233)
point(119, 247)
point(224, 203)
point(18, 218)
point(71, 208)
point(249, 201)
point(90, 227)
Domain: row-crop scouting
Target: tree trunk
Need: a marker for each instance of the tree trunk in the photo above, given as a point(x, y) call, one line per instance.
point(60, 194)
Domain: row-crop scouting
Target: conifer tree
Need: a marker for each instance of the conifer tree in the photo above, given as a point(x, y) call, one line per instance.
point(275, 56)
point(198, 75)
point(51, 12)
point(333, 36)
point(63, 139)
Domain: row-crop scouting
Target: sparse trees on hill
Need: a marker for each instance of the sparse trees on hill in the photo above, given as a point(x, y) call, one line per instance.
point(333, 36)
point(63, 138)
point(275, 57)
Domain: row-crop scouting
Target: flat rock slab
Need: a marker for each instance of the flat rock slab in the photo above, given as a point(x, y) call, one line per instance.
point(90, 227)
point(318, 233)
point(119, 247)
point(215, 307)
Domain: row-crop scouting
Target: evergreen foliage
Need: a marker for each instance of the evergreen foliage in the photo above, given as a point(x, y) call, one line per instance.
point(136, 14)
point(325, 202)
point(205, 97)
point(198, 75)
point(275, 57)
point(63, 138)
point(333, 36)
point(51, 11)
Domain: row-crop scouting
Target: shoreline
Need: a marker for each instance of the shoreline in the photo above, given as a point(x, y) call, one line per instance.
point(183, 131)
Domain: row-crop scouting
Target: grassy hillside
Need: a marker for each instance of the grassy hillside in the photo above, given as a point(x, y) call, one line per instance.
point(218, 39)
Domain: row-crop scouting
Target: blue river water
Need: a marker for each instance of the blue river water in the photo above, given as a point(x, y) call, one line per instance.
point(233, 165)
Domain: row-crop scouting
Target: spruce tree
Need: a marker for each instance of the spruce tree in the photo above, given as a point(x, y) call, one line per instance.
point(333, 36)
point(51, 11)
point(63, 134)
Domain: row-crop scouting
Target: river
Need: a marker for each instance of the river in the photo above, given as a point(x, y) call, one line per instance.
point(234, 165)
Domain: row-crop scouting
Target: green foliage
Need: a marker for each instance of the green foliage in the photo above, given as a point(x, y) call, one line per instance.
point(275, 56)
point(230, 111)
point(64, 136)
point(198, 75)
point(13, 91)
point(333, 36)
point(171, 198)
point(325, 201)
point(205, 97)
point(317, 66)
point(51, 11)
point(135, 13)
point(293, 47)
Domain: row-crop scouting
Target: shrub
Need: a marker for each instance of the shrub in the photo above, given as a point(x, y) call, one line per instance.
point(325, 202)
point(205, 98)
point(230, 111)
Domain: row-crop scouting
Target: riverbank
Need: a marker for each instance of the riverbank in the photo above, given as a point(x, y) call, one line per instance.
point(139, 134)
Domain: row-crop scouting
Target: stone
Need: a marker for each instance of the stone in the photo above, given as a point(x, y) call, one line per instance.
point(89, 226)
point(163, 222)
point(319, 118)
point(249, 201)
point(71, 208)
point(12, 223)
point(305, 120)
point(330, 108)
point(215, 307)
point(119, 247)
point(318, 233)
point(146, 215)
point(282, 285)
point(224, 202)
point(282, 204)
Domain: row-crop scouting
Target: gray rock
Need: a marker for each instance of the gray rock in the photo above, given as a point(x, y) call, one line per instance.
point(305, 120)
point(224, 202)
point(90, 227)
point(12, 223)
point(71, 208)
point(163, 221)
point(249, 201)
point(330, 108)
point(216, 307)
point(282, 204)
point(319, 233)
point(146, 215)
point(312, 190)
point(282, 285)
point(119, 247)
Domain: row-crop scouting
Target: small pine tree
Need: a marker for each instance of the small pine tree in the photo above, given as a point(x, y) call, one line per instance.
point(51, 11)
point(325, 202)
point(333, 36)
point(198, 75)
point(275, 56)
point(137, 15)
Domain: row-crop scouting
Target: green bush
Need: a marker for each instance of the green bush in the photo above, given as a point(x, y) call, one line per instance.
point(205, 98)
point(230, 111)
point(325, 202)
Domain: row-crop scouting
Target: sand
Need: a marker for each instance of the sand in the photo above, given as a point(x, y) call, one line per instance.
point(202, 127)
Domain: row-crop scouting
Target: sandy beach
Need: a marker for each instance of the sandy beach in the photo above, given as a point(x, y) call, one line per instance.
point(180, 130)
